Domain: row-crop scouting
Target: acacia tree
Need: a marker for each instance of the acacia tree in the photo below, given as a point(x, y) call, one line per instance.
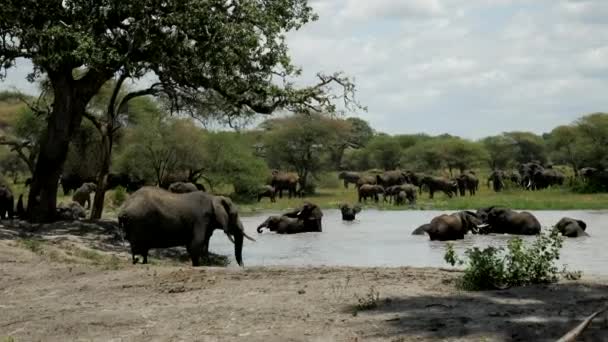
point(235, 50)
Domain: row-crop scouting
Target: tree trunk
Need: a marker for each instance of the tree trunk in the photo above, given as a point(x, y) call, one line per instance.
point(102, 176)
point(65, 118)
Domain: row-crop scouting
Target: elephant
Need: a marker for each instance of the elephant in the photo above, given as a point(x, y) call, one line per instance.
point(570, 227)
point(7, 202)
point(450, 227)
point(285, 181)
point(390, 178)
point(82, 195)
point(449, 187)
point(182, 188)
point(587, 172)
point(544, 178)
point(70, 182)
point(467, 181)
point(497, 179)
point(370, 191)
point(527, 171)
point(513, 177)
point(70, 212)
point(421, 230)
point(349, 212)
point(267, 191)
point(507, 221)
point(129, 183)
point(349, 178)
point(156, 218)
point(409, 193)
point(305, 219)
point(366, 180)
point(415, 179)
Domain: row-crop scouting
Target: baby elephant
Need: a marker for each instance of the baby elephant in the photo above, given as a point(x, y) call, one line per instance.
point(83, 194)
point(349, 212)
point(267, 191)
point(570, 227)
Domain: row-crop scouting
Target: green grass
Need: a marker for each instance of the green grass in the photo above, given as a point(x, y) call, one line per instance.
point(550, 199)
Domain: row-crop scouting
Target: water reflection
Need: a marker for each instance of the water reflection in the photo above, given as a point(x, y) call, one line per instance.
point(383, 238)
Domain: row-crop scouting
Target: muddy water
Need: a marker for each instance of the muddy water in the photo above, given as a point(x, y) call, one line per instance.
point(383, 238)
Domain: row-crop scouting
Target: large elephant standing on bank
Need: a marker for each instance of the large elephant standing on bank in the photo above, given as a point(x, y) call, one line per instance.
point(497, 178)
point(307, 218)
point(349, 178)
point(506, 221)
point(542, 179)
point(390, 178)
point(450, 227)
point(449, 187)
point(467, 182)
point(156, 218)
point(285, 181)
point(527, 171)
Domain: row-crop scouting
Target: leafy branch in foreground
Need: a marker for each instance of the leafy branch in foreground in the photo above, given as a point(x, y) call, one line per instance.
point(496, 268)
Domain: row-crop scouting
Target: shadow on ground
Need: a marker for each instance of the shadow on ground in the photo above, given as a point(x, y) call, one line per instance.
point(536, 313)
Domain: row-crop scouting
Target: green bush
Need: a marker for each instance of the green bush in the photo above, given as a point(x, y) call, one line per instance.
point(119, 196)
point(518, 265)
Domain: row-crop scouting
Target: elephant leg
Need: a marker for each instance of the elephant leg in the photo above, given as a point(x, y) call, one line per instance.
point(345, 184)
point(144, 254)
point(197, 244)
point(133, 257)
point(431, 192)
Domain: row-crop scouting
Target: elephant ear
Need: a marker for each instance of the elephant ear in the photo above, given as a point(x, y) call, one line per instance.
point(582, 224)
point(357, 209)
point(227, 216)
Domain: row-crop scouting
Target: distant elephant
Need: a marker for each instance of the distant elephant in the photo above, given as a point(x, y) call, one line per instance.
point(70, 182)
point(82, 195)
point(182, 187)
point(174, 177)
point(449, 187)
point(587, 172)
point(349, 178)
point(366, 180)
point(369, 191)
point(527, 172)
point(570, 227)
point(305, 219)
point(513, 177)
point(390, 178)
point(7, 202)
point(542, 179)
point(415, 179)
point(156, 218)
point(467, 181)
point(349, 212)
point(497, 179)
point(452, 227)
point(285, 181)
point(507, 221)
point(267, 191)
point(422, 229)
point(409, 193)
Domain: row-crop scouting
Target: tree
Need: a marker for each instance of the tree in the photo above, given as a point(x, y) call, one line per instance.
point(528, 147)
point(299, 143)
point(360, 132)
point(24, 135)
point(461, 154)
point(229, 50)
point(565, 145)
point(385, 151)
point(593, 130)
point(500, 151)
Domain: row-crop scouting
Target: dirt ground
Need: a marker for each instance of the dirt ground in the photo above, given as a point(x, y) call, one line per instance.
point(74, 282)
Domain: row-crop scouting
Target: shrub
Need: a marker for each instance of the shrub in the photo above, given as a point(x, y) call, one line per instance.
point(518, 265)
point(119, 196)
point(368, 302)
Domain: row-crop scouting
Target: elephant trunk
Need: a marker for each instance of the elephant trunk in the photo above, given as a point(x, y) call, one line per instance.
point(262, 225)
point(238, 247)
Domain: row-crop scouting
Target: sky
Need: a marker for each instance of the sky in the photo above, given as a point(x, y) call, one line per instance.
point(471, 68)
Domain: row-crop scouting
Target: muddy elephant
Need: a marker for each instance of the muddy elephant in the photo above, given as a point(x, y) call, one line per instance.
point(70, 211)
point(82, 195)
point(349, 177)
point(182, 187)
point(305, 219)
point(267, 191)
point(349, 211)
point(506, 221)
point(451, 227)
point(390, 178)
point(447, 186)
point(570, 227)
point(285, 181)
point(366, 191)
point(156, 218)
point(7, 202)
point(467, 182)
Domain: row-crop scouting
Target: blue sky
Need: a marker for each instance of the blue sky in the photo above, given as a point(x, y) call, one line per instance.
point(466, 67)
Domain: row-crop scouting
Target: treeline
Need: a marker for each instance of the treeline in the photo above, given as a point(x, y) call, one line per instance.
point(151, 145)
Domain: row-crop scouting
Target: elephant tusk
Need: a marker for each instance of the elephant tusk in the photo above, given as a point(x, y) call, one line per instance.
point(230, 238)
point(248, 237)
